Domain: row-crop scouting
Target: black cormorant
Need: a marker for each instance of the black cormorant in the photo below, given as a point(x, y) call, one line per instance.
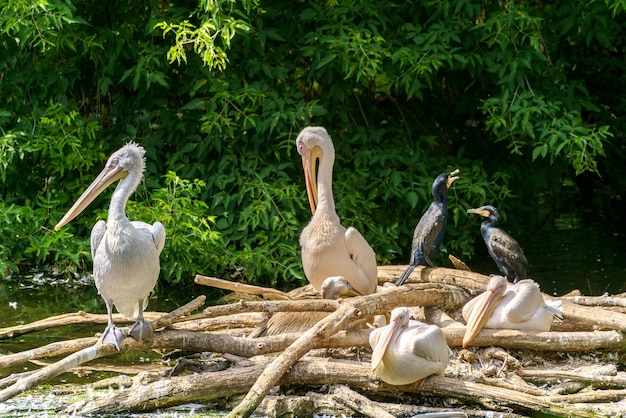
point(502, 247)
point(431, 228)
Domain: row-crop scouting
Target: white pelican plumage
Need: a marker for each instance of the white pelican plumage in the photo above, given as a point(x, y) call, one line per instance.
point(407, 351)
point(125, 254)
point(502, 306)
point(328, 248)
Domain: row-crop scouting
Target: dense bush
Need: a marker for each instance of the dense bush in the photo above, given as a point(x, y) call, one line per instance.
point(522, 97)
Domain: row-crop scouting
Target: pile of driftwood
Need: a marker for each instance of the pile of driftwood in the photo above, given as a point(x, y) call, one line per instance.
point(571, 371)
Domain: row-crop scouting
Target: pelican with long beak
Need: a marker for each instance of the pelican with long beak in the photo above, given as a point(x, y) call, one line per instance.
point(328, 248)
point(502, 306)
point(125, 254)
point(408, 351)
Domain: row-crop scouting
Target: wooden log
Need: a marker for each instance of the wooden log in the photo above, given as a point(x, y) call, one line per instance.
point(473, 282)
point(321, 305)
point(343, 395)
point(91, 353)
point(75, 318)
point(596, 380)
point(425, 294)
point(158, 319)
point(202, 387)
point(540, 341)
point(266, 292)
point(604, 300)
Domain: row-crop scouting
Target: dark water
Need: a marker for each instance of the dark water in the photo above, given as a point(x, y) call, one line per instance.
point(570, 251)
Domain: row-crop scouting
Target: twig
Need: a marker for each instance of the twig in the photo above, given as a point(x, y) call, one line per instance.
point(604, 300)
point(267, 293)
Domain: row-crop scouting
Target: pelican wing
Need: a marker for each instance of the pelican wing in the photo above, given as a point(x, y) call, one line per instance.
point(362, 255)
point(429, 342)
point(525, 302)
point(96, 236)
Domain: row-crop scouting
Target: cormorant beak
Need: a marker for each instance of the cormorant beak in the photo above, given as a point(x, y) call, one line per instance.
point(480, 315)
point(479, 211)
point(451, 177)
point(309, 163)
point(383, 342)
point(110, 174)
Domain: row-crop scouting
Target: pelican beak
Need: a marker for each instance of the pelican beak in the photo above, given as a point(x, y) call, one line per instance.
point(350, 291)
point(480, 315)
point(451, 177)
point(309, 163)
point(110, 174)
point(479, 211)
point(383, 342)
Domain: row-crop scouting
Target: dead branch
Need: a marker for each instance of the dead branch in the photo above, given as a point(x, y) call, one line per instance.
point(207, 386)
point(76, 318)
point(267, 293)
point(590, 397)
point(604, 300)
point(322, 305)
point(595, 380)
point(532, 340)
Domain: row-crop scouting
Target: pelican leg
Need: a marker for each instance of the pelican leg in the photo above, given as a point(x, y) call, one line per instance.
point(112, 334)
point(140, 329)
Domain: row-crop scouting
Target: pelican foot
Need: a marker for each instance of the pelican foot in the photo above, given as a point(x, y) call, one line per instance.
point(140, 330)
point(113, 335)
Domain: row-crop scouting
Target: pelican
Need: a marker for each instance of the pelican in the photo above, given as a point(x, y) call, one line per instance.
point(431, 227)
point(520, 306)
point(328, 248)
point(334, 288)
point(502, 247)
point(125, 254)
point(407, 351)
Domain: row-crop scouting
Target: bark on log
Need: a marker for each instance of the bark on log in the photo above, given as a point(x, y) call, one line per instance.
point(208, 386)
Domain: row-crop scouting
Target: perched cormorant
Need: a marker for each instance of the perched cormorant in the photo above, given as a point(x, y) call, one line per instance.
point(504, 250)
point(431, 228)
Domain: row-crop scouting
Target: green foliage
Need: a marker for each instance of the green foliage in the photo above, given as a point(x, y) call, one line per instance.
point(217, 90)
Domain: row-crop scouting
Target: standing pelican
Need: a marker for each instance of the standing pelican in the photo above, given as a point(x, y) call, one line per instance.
point(431, 228)
point(407, 351)
point(329, 249)
point(125, 254)
point(520, 307)
point(502, 247)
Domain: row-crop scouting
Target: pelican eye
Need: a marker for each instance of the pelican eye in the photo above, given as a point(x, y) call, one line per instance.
point(114, 162)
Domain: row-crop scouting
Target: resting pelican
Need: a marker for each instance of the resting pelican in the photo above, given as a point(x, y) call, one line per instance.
point(125, 254)
point(431, 228)
point(520, 306)
point(334, 287)
point(329, 249)
point(407, 351)
point(502, 247)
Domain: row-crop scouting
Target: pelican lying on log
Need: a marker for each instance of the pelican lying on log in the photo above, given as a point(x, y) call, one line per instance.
point(125, 254)
point(520, 307)
point(336, 287)
point(502, 247)
point(431, 228)
point(407, 351)
point(328, 248)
